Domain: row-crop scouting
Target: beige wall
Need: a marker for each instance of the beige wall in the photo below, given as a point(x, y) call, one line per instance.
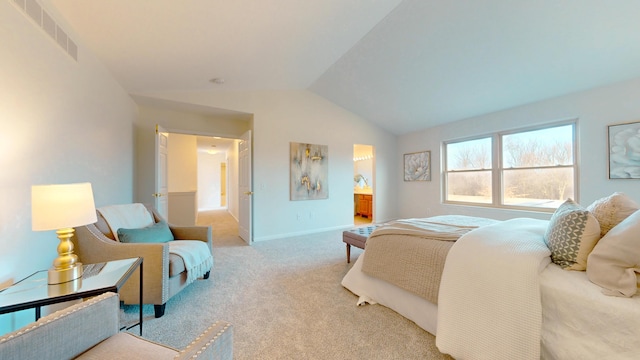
point(182, 163)
point(182, 156)
point(232, 171)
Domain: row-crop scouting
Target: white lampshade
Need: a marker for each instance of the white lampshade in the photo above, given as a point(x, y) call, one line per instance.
point(62, 206)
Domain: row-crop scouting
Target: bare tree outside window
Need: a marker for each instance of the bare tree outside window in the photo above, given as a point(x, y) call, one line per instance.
point(469, 165)
point(537, 168)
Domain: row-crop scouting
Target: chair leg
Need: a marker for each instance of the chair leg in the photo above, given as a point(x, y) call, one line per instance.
point(206, 275)
point(348, 253)
point(159, 309)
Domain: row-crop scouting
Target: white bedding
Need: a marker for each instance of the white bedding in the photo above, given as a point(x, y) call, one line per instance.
point(578, 321)
point(489, 305)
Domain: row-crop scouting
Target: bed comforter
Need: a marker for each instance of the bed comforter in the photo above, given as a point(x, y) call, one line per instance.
point(502, 308)
point(489, 304)
point(411, 253)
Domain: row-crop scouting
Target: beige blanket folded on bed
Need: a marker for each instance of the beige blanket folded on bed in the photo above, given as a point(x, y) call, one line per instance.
point(423, 228)
point(411, 253)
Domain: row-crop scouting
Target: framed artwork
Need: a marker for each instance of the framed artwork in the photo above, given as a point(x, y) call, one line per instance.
point(624, 151)
point(309, 171)
point(417, 166)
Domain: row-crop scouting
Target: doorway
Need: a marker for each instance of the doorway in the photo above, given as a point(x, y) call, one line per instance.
point(212, 173)
point(221, 184)
point(217, 163)
point(363, 184)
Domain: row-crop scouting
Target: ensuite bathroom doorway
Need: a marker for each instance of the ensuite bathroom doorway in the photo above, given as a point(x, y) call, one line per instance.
point(363, 184)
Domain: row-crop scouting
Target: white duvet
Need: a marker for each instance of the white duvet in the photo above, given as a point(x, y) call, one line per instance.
point(580, 322)
point(489, 302)
point(567, 318)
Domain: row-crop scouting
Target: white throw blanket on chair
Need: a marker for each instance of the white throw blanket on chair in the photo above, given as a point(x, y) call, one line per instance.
point(126, 216)
point(489, 301)
point(196, 255)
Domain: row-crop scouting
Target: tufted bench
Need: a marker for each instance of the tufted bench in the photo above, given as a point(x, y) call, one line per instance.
point(356, 237)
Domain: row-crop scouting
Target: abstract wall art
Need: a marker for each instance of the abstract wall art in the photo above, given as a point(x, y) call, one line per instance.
point(624, 151)
point(309, 178)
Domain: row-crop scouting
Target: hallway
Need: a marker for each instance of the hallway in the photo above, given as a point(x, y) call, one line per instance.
point(224, 227)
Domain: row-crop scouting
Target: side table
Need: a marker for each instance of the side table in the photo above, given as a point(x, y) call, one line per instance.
point(34, 292)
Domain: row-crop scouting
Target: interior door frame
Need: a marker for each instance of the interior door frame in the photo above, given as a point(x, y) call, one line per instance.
point(245, 188)
point(161, 185)
point(201, 133)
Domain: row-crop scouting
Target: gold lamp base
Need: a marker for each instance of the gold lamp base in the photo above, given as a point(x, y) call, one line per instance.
point(66, 266)
point(59, 276)
point(64, 288)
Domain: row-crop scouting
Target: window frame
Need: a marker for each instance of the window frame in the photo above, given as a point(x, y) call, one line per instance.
point(498, 169)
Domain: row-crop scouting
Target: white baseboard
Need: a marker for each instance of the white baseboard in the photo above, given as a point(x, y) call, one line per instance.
point(300, 233)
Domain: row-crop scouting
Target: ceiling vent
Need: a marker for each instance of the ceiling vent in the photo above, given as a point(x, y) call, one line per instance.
point(34, 11)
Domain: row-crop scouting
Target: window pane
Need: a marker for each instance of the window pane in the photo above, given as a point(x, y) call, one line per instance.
point(469, 187)
point(546, 147)
point(538, 187)
point(469, 155)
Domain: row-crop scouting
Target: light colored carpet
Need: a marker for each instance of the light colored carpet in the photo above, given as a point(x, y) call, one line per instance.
point(285, 300)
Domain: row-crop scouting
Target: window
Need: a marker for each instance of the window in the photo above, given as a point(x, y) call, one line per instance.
point(469, 169)
point(532, 168)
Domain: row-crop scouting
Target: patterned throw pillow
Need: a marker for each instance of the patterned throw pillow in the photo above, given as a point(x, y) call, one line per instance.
point(611, 210)
point(571, 236)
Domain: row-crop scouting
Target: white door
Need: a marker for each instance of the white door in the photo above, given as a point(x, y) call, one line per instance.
point(244, 188)
point(161, 188)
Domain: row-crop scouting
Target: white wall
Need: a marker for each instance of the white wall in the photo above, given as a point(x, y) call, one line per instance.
point(62, 121)
point(595, 109)
point(209, 184)
point(281, 117)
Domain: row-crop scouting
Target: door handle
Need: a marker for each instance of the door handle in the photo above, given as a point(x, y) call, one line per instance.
point(158, 195)
point(248, 192)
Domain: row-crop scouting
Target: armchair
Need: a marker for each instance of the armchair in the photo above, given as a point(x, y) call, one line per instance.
point(90, 330)
point(165, 273)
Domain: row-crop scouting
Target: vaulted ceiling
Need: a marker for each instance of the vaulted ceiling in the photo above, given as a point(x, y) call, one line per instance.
point(403, 64)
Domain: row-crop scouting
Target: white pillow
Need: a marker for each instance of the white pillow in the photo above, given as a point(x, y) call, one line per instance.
point(571, 235)
point(611, 210)
point(614, 263)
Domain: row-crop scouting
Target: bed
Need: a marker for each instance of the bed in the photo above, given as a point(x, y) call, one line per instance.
point(500, 295)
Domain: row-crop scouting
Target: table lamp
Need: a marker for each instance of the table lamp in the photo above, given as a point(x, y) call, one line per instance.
point(60, 208)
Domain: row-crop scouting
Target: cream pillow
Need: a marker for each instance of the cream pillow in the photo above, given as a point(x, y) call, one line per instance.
point(611, 210)
point(614, 263)
point(571, 235)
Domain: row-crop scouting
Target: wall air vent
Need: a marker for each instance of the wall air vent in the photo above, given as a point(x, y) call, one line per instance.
point(48, 25)
point(34, 11)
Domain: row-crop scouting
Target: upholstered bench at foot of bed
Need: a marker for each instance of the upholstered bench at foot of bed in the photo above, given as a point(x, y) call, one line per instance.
point(356, 237)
